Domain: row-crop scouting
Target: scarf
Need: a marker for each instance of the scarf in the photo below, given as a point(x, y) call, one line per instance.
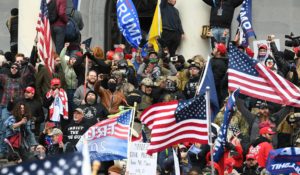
point(59, 106)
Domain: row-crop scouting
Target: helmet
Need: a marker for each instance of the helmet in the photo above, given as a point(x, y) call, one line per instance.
point(147, 82)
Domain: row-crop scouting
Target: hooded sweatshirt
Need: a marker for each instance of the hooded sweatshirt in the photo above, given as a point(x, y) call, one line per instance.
point(93, 112)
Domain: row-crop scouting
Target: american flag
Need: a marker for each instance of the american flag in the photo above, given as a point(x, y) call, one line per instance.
point(66, 164)
point(258, 81)
point(108, 139)
point(44, 40)
point(120, 129)
point(175, 122)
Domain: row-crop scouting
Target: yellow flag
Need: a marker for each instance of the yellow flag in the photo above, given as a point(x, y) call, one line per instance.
point(156, 27)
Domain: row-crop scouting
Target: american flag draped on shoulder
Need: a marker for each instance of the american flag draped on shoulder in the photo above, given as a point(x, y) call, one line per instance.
point(222, 135)
point(175, 122)
point(258, 81)
point(45, 44)
point(108, 139)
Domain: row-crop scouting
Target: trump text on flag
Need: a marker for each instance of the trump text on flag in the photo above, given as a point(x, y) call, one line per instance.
point(128, 22)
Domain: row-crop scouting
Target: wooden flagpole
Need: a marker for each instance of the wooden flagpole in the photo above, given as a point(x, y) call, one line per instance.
point(130, 135)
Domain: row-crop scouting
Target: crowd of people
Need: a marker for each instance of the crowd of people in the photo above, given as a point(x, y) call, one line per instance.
point(44, 113)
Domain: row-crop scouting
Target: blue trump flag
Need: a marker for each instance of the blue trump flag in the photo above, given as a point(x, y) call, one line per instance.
point(208, 80)
point(245, 22)
point(284, 161)
point(128, 22)
point(222, 135)
point(108, 139)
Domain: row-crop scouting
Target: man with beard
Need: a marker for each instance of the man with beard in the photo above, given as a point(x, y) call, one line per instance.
point(263, 116)
point(250, 166)
point(111, 98)
point(93, 111)
point(75, 129)
point(81, 91)
point(12, 86)
point(262, 146)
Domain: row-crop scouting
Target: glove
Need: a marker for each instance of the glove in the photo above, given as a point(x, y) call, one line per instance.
point(230, 146)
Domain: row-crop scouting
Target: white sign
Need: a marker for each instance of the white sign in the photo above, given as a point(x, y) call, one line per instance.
point(257, 43)
point(140, 163)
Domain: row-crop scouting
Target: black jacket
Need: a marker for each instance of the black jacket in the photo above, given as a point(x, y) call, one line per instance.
point(228, 7)
point(170, 17)
point(93, 112)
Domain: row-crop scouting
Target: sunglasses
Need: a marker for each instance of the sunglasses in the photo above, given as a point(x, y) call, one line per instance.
point(14, 67)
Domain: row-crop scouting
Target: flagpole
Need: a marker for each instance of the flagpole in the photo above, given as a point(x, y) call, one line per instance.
point(208, 115)
point(85, 76)
point(130, 135)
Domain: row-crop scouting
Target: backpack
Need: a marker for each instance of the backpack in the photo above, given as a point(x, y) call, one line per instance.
point(72, 31)
point(52, 11)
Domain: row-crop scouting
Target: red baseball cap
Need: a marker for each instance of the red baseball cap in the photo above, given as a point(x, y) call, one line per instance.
point(266, 130)
point(30, 89)
point(263, 46)
point(221, 48)
point(250, 156)
point(55, 81)
point(118, 49)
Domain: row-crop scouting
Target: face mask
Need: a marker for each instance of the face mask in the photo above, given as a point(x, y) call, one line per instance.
point(262, 54)
point(179, 67)
point(112, 86)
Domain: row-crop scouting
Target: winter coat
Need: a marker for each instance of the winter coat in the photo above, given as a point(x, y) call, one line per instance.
point(62, 19)
point(70, 75)
point(111, 100)
point(227, 6)
point(79, 93)
point(93, 112)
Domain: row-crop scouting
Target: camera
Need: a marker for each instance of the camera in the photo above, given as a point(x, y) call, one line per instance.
point(174, 59)
point(292, 41)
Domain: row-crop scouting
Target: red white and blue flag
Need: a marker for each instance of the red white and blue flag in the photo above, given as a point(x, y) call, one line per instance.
point(108, 139)
point(175, 122)
point(258, 81)
point(45, 44)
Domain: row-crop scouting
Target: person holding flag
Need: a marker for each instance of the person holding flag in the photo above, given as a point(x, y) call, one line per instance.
point(224, 146)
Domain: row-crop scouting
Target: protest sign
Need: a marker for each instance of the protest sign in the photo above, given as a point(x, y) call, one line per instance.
point(140, 162)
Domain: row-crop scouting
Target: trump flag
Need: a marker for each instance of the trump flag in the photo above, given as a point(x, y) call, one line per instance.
point(108, 139)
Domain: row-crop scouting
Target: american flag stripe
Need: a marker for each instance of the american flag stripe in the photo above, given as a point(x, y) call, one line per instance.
point(45, 44)
point(258, 81)
point(171, 128)
point(192, 138)
point(286, 89)
point(170, 124)
point(251, 85)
